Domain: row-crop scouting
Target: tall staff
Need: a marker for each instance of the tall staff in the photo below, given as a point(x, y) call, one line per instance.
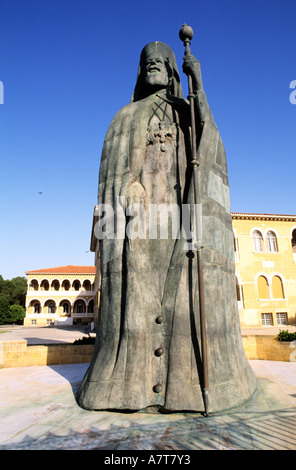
point(186, 34)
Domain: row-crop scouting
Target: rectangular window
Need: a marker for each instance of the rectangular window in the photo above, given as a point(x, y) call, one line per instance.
point(282, 318)
point(33, 322)
point(266, 319)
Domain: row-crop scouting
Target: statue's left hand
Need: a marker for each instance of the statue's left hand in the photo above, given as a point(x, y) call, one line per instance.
point(191, 66)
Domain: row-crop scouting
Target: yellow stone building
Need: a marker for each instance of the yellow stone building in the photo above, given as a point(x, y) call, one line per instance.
point(265, 256)
point(63, 295)
point(265, 262)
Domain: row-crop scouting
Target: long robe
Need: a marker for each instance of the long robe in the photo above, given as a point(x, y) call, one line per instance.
point(147, 353)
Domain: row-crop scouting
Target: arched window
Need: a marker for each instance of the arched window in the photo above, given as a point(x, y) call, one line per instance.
point(76, 285)
point(65, 307)
point(238, 291)
point(271, 241)
point(86, 285)
point(239, 294)
point(263, 288)
point(293, 240)
point(44, 284)
point(34, 285)
point(55, 285)
point(80, 307)
point(277, 288)
point(66, 284)
point(51, 308)
point(90, 308)
point(37, 307)
point(257, 240)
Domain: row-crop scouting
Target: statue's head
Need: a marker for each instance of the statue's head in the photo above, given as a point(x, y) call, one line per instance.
point(157, 71)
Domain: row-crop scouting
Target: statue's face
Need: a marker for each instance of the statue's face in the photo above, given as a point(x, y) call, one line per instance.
point(156, 71)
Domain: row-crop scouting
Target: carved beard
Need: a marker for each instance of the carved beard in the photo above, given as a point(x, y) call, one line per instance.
point(157, 79)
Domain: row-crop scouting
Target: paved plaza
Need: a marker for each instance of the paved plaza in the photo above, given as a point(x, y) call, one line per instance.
point(68, 334)
point(39, 412)
point(45, 334)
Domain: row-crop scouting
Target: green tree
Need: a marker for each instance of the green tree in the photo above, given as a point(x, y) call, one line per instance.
point(12, 294)
point(18, 289)
point(14, 290)
point(4, 309)
point(16, 313)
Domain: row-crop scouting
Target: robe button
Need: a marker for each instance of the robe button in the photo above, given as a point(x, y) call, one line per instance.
point(159, 319)
point(157, 388)
point(158, 352)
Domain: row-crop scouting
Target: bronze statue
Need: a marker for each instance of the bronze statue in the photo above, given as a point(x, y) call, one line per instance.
point(148, 353)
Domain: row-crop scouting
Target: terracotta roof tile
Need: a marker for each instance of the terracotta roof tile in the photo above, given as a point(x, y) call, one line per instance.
point(65, 270)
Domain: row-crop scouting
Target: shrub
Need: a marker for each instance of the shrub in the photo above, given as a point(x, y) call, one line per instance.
point(285, 335)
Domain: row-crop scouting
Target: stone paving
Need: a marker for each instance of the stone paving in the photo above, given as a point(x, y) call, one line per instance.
point(45, 334)
point(38, 411)
point(68, 334)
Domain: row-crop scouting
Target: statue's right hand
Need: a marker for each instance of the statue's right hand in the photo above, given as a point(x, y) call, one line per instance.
point(191, 66)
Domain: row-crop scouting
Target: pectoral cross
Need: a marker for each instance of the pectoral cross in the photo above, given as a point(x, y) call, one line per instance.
point(160, 134)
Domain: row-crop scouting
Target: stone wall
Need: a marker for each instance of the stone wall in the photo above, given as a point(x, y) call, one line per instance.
point(19, 354)
point(269, 348)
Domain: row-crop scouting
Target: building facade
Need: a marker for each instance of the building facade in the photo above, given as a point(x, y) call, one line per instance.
point(265, 265)
point(64, 295)
point(265, 261)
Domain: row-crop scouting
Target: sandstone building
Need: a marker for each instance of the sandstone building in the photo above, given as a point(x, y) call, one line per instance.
point(62, 295)
point(265, 261)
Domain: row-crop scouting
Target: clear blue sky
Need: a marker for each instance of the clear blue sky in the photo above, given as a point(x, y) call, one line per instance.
point(68, 65)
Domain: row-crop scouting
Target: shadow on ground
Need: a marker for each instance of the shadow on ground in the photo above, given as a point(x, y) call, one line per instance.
point(179, 433)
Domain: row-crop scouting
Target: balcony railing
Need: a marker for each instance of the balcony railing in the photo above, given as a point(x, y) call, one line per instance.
point(60, 292)
point(56, 315)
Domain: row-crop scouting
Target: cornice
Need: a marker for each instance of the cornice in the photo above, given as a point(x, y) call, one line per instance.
point(251, 216)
